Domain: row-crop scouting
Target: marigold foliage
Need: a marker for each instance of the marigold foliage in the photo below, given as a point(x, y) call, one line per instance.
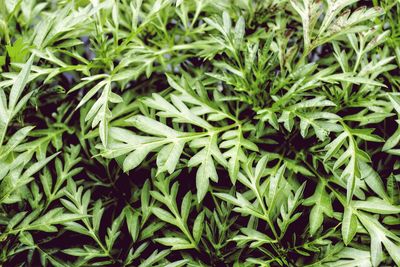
point(199, 133)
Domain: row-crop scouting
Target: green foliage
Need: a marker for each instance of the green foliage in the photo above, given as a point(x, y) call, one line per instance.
point(199, 133)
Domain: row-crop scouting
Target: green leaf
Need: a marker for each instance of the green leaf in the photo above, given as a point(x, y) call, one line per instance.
point(198, 227)
point(395, 101)
point(14, 141)
point(377, 206)
point(349, 225)
point(255, 237)
point(393, 141)
point(20, 83)
point(169, 156)
point(176, 243)
point(235, 143)
point(205, 158)
point(380, 235)
point(322, 205)
point(164, 215)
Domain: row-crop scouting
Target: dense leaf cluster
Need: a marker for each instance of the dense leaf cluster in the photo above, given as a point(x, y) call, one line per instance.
point(199, 133)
